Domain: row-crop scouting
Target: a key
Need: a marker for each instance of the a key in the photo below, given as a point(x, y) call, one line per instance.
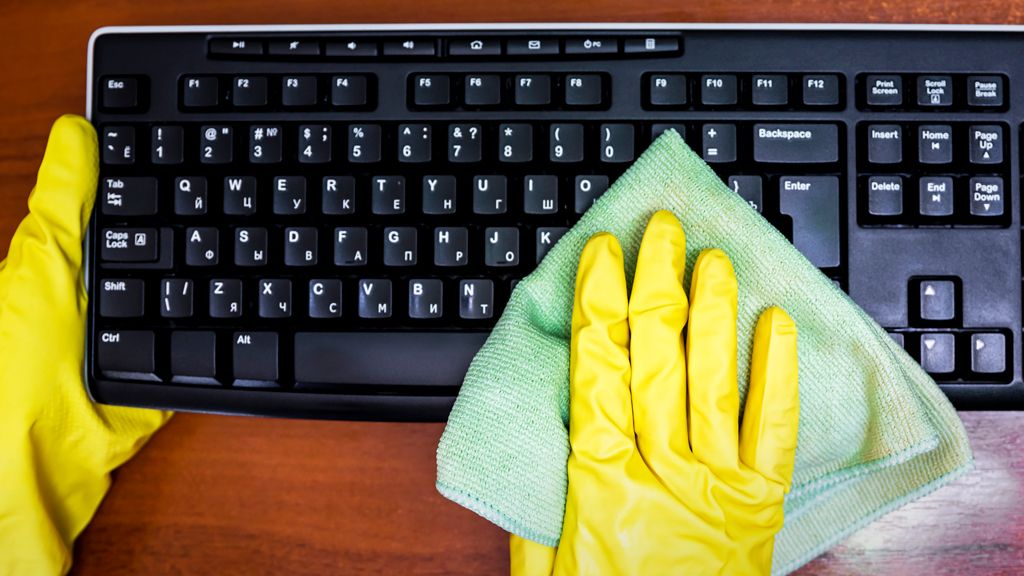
point(364, 143)
point(201, 92)
point(119, 145)
point(796, 143)
point(414, 143)
point(202, 246)
point(813, 203)
point(239, 195)
point(225, 298)
point(300, 246)
point(129, 196)
point(587, 190)
point(718, 90)
point(254, 356)
point(168, 145)
point(400, 246)
point(388, 194)
point(938, 300)
point(540, 194)
point(275, 300)
point(249, 91)
point(583, 90)
point(325, 298)
point(464, 142)
point(451, 246)
point(122, 298)
point(215, 146)
point(769, 90)
point(439, 194)
point(719, 143)
point(129, 245)
point(546, 238)
point(126, 353)
point(938, 353)
point(375, 298)
point(289, 195)
point(265, 144)
point(986, 144)
point(350, 246)
point(430, 90)
point(501, 246)
point(616, 142)
point(885, 144)
point(749, 188)
point(251, 247)
point(426, 299)
point(490, 195)
point(190, 196)
point(935, 144)
point(988, 353)
point(298, 91)
point(314, 143)
point(884, 90)
point(986, 195)
point(935, 195)
point(482, 90)
point(194, 354)
point(934, 91)
point(566, 143)
point(885, 195)
point(667, 90)
point(476, 299)
point(515, 142)
point(349, 91)
point(338, 195)
point(532, 89)
point(176, 298)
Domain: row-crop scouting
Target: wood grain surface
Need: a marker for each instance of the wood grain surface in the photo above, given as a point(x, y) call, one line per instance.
point(231, 495)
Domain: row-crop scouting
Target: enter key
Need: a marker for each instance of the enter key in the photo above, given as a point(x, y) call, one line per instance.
point(813, 204)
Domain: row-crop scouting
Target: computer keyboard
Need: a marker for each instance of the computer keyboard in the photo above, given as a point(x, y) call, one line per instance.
point(326, 221)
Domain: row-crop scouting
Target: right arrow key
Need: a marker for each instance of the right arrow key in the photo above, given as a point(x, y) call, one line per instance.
point(988, 353)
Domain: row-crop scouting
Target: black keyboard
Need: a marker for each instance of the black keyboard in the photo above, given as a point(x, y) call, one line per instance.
point(326, 221)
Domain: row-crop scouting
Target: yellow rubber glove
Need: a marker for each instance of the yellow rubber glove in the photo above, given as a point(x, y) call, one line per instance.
point(663, 479)
point(57, 448)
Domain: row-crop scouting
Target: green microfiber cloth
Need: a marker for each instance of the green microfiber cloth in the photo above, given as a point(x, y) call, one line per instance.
point(875, 430)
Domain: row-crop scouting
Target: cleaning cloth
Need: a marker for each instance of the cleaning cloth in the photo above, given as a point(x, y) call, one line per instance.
point(875, 430)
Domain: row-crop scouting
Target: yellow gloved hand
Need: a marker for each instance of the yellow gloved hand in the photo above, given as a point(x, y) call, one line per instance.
point(663, 479)
point(57, 448)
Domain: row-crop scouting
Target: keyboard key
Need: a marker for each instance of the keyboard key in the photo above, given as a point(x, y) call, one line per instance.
point(168, 145)
point(935, 144)
point(769, 90)
point(200, 92)
point(532, 47)
point(719, 143)
point(617, 142)
point(515, 142)
point(254, 356)
point(936, 196)
point(986, 144)
point(426, 299)
point(464, 143)
point(236, 47)
point(325, 298)
point(501, 246)
point(451, 246)
point(884, 90)
point(129, 245)
point(375, 298)
point(813, 203)
point(490, 195)
point(749, 188)
point(314, 143)
point(583, 90)
point(289, 195)
point(651, 45)
point(885, 144)
point(430, 90)
point(718, 90)
point(885, 195)
point(119, 93)
point(410, 47)
point(225, 298)
point(546, 239)
point(938, 300)
point(476, 299)
point(275, 298)
point(352, 49)
point(176, 298)
point(658, 129)
point(350, 91)
point(300, 246)
point(986, 195)
point(587, 190)
point(364, 143)
point(215, 146)
point(482, 90)
point(985, 91)
point(667, 90)
point(591, 45)
point(122, 298)
point(294, 48)
point(194, 354)
point(934, 91)
point(126, 352)
point(400, 247)
point(388, 195)
point(474, 47)
point(265, 144)
point(988, 353)
point(119, 145)
point(239, 195)
point(251, 247)
point(540, 194)
point(129, 196)
point(938, 353)
point(414, 143)
point(350, 247)
point(796, 143)
point(439, 195)
point(190, 198)
point(338, 195)
point(820, 90)
point(566, 143)
point(299, 91)
point(249, 91)
point(202, 246)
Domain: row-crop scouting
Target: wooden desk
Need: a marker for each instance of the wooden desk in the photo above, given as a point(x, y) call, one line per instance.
point(238, 495)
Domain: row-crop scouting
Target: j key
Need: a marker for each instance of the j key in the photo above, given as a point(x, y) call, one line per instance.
point(935, 144)
point(314, 143)
point(885, 195)
point(349, 91)
point(769, 90)
point(126, 352)
point(388, 194)
point(375, 298)
point(546, 238)
point(884, 91)
point(749, 188)
point(119, 145)
point(820, 89)
point(936, 196)
point(202, 246)
point(583, 90)
point(476, 299)
point(986, 195)
point(298, 91)
point(251, 247)
point(414, 143)
point(265, 144)
point(566, 143)
point(225, 298)
point(501, 246)
point(587, 190)
point(986, 144)
point(439, 194)
point(176, 298)
point(532, 90)
point(168, 144)
point(122, 298)
point(515, 142)
point(120, 93)
point(482, 90)
point(194, 354)
point(249, 91)
point(667, 90)
point(934, 91)
point(239, 195)
point(430, 90)
point(938, 300)
point(129, 245)
point(718, 90)
point(985, 91)
point(719, 143)
point(540, 194)
point(813, 203)
point(988, 353)
point(364, 143)
point(129, 196)
point(616, 142)
point(325, 298)
point(885, 144)
point(938, 353)
point(796, 143)
point(215, 146)
point(658, 129)
point(426, 299)
point(201, 92)
point(300, 246)
point(350, 247)
point(451, 246)
point(464, 143)
point(400, 246)
point(338, 195)
point(490, 195)
point(254, 356)
point(275, 299)
point(289, 195)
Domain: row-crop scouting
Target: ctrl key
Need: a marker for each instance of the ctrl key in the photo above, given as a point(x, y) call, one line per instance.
point(126, 354)
point(129, 245)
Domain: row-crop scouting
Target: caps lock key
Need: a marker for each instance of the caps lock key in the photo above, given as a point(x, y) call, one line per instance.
point(129, 245)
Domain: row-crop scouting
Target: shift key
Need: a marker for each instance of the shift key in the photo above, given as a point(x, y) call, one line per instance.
point(813, 204)
point(796, 143)
point(129, 245)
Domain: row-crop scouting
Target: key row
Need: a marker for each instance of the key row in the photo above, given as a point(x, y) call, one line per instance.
point(980, 356)
point(519, 90)
point(934, 144)
point(256, 92)
point(941, 197)
point(681, 91)
point(932, 91)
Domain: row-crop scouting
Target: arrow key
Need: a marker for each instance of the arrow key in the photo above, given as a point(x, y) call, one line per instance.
point(938, 353)
point(938, 300)
point(988, 353)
